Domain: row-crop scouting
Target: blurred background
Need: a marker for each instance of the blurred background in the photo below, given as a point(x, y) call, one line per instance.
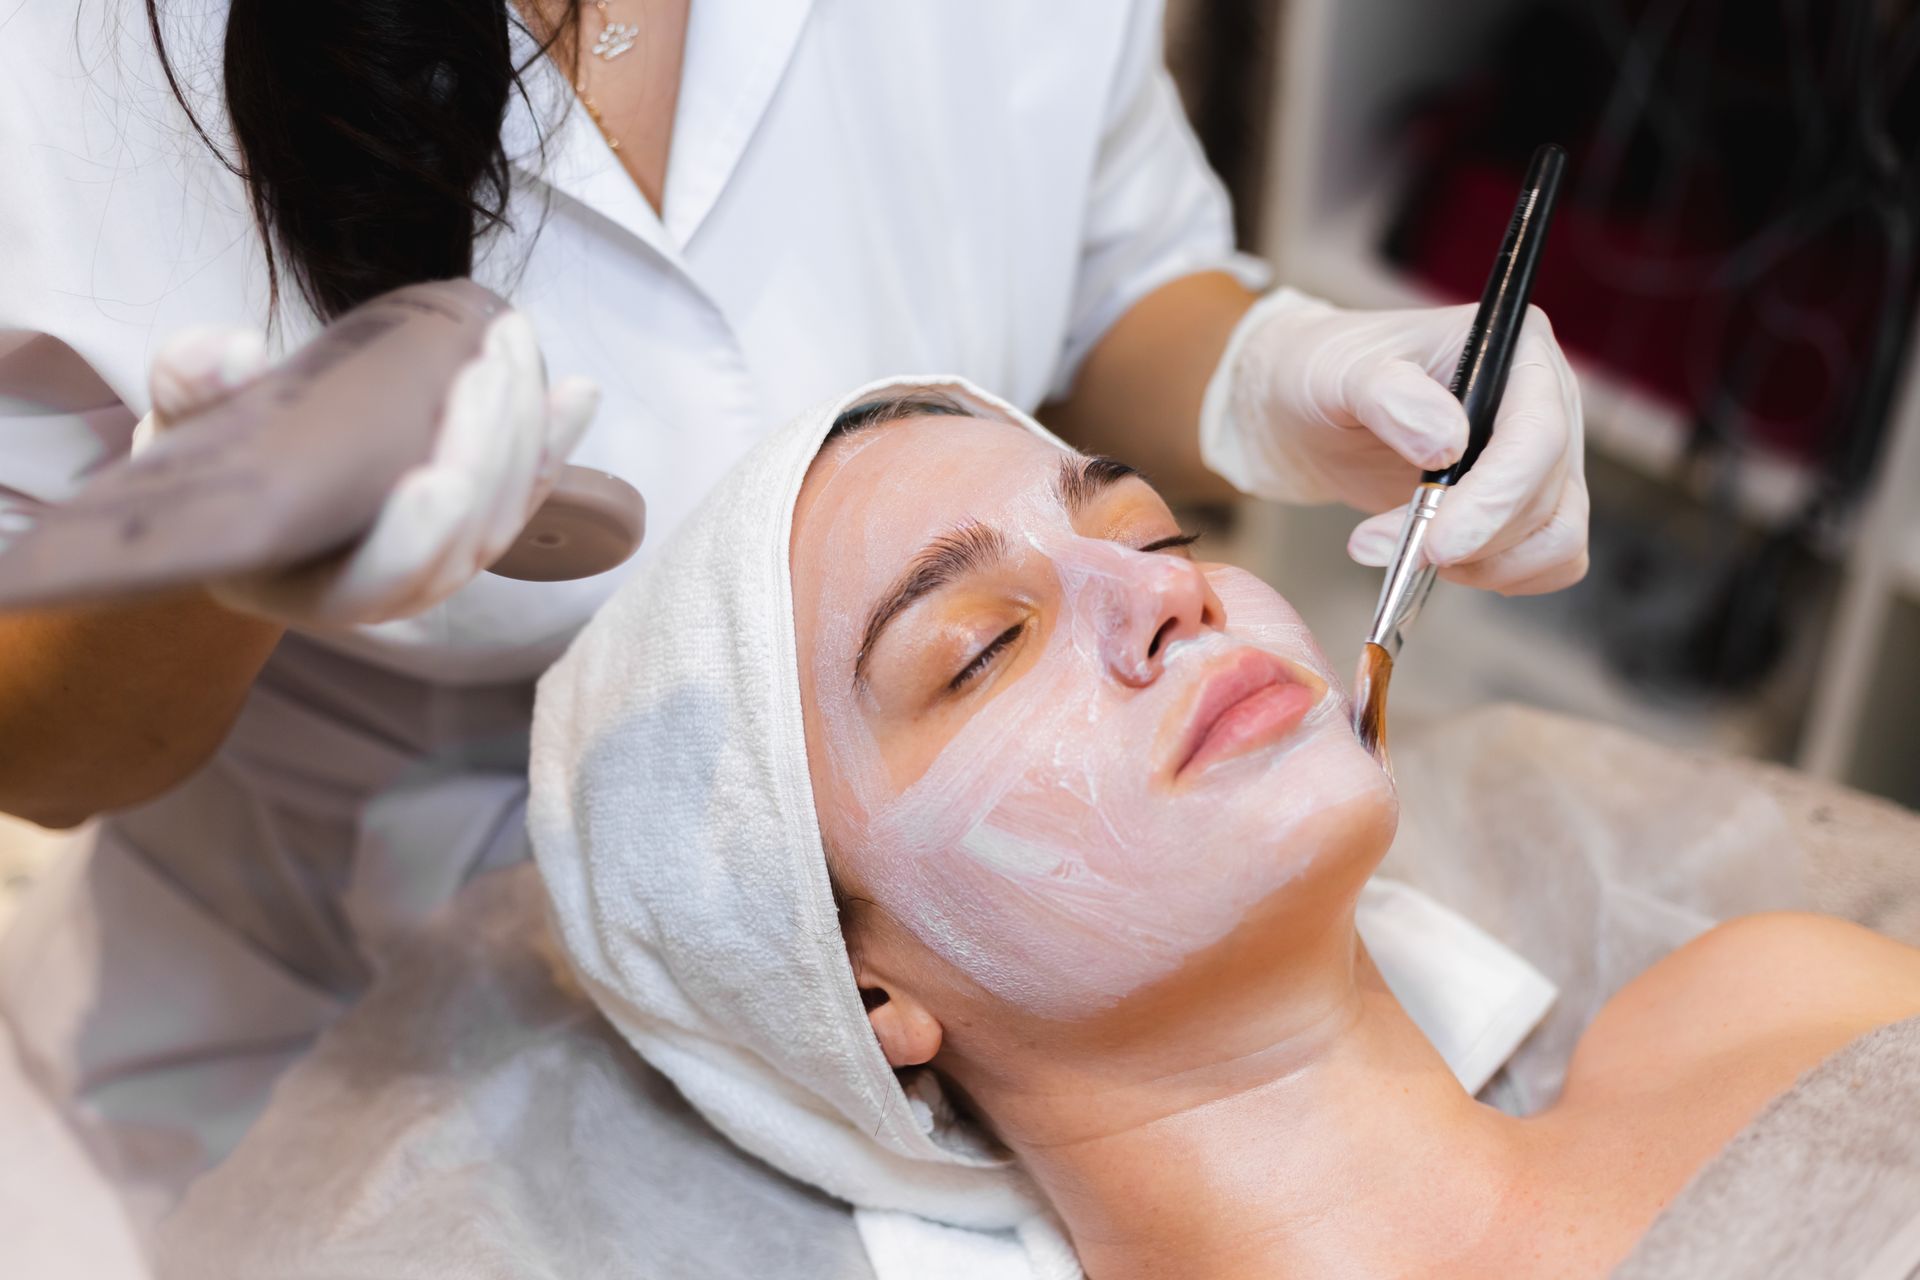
point(1733, 270)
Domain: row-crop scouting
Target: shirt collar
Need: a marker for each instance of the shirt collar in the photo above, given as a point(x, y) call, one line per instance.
point(737, 52)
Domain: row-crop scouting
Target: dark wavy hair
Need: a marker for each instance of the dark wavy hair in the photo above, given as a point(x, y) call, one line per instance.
point(368, 134)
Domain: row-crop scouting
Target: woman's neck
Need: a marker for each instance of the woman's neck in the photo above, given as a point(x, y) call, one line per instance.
point(1335, 1143)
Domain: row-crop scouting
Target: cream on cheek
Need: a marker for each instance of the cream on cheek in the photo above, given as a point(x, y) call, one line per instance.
point(1040, 853)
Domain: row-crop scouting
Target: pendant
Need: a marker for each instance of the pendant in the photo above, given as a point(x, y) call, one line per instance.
point(615, 39)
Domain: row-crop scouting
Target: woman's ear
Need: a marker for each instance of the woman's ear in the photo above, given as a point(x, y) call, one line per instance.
point(908, 1032)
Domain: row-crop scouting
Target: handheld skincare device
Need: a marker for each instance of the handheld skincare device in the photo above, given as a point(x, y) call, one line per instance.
point(1479, 382)
point(295, 466)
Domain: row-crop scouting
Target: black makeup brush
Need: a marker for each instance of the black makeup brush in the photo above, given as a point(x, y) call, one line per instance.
point(1478, 384)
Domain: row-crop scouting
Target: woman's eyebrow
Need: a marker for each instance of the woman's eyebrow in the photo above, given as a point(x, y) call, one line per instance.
point(966, 549)
point(1080, 479)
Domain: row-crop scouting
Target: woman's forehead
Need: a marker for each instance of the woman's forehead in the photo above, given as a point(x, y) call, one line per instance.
point(917, 478)
point(938, 443)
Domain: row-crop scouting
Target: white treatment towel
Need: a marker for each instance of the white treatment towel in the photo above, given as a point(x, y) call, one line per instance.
point(672, 818)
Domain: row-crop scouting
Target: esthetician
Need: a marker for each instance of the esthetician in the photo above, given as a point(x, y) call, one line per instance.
point(714, 215)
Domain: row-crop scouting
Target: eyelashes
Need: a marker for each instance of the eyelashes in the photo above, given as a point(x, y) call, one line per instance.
point(980, 661)
point(1171, 544)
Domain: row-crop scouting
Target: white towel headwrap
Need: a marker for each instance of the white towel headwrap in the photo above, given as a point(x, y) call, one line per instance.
point(672, 817)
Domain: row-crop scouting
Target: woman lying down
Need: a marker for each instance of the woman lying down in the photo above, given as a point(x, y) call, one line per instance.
point(1020, 896)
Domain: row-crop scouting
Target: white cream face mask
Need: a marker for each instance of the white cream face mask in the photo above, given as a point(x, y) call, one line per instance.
point(1152, 749)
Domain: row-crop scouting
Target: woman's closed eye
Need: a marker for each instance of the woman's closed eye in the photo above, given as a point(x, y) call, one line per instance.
point(977, 665)
point(1178, 542)
point(984, 659)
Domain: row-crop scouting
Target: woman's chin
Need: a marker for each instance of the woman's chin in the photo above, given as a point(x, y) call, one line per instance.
point(1280, 951)
point(1279, 932)
point(1322, 795)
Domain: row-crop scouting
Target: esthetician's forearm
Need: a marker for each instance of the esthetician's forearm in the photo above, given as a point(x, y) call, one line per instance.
point(104, 707)
point(1138, 394)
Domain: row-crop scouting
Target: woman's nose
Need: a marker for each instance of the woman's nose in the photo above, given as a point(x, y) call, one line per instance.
point(1162, 599)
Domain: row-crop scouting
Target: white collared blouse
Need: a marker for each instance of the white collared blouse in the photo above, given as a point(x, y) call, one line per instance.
point(853, 190)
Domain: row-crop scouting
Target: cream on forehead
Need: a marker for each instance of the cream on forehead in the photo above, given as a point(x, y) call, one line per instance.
point(1035, 852)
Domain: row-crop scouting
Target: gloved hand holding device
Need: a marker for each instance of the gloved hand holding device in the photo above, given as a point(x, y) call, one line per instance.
point(1314, 403)
point(502, 441)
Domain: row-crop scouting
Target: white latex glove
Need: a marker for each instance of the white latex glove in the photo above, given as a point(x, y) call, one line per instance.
point(503, 440)
point(1312, 403)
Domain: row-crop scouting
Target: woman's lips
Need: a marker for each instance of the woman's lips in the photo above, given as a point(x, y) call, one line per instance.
point(1249, 700)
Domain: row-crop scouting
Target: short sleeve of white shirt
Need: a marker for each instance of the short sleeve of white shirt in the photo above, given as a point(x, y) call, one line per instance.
point(1156, 211)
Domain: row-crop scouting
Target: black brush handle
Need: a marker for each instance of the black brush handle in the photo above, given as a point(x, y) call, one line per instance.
point(1481, 379)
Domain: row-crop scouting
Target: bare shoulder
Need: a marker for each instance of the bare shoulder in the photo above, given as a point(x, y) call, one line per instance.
point(1781, 989)
point(1798, 960)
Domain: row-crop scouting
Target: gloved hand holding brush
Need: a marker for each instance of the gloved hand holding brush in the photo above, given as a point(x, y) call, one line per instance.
point(1314, 403)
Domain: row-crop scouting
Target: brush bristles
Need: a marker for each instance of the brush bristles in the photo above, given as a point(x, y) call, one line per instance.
point(1370, 698)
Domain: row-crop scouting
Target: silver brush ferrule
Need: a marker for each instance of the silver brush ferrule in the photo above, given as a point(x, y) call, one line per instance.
point(1409, 577)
